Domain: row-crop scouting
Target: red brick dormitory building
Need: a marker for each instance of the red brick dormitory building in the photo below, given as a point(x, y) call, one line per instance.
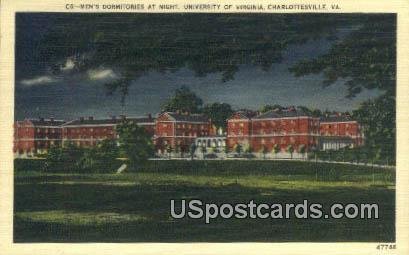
point(36, 135)
point(273, 129)
point(87, 132)
point(291, 127)
point(253, 132)
point(338, 131)
point(179, 130)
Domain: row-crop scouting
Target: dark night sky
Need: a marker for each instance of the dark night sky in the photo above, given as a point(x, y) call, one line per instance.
point(68, 95)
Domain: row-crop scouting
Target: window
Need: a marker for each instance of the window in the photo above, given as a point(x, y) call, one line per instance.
point(241, 124)
point(164, 125)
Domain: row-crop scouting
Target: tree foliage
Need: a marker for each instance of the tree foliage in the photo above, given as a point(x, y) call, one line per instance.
point(135, 142)
point(70, 157)
point(365, 58)
point(134, 44)
point(379, 122)
point(184, 100)
point(218, 113)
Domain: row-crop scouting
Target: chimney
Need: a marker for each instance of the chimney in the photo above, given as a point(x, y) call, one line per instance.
point(90, 118)
point(81, 119)
point(149, 116)
point(52, 119)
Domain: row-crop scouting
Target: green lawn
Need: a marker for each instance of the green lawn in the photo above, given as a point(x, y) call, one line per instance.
point(135, 207)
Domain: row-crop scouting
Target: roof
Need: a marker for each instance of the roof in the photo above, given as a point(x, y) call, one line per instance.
point(268, 115)
point(46, 122)
point(188, 117)
point(284, 113)
point(111, 121)
point(336, 118)
point(244, 114)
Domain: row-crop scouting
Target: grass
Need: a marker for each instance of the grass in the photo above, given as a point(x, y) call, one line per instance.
point(135, 207)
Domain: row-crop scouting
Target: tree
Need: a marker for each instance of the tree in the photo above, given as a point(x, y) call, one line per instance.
point(218, 113)
point(302, 149)
point(169, 150)
point(203, 150)
point(226, 149)
point(184, 100)
point(276, 149)
point(264, 150)
point(177, 149)
point(107, 149)
point(305, 109)
point(365, 59)
point(192, 150)
point(314, 149)
point(290, 149)
point(248, 149)
point(238, 149)
point(377, 118)
point(317, 113)
point(135, 44)
point(135, 142)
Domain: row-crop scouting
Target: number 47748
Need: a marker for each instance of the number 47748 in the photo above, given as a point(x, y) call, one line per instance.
point(386, 247)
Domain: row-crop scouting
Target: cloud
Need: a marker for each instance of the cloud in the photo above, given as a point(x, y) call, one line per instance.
point(69, 65)
point(101, 74)
point(39, 80)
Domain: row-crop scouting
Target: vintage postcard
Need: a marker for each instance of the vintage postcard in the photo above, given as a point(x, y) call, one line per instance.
point(188, 127)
